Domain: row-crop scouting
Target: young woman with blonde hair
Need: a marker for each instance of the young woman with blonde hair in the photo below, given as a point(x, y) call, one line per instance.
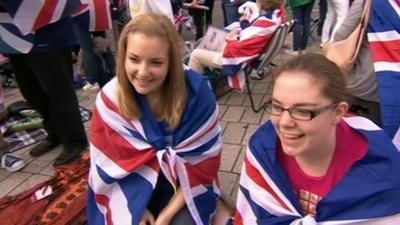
point(155, 138)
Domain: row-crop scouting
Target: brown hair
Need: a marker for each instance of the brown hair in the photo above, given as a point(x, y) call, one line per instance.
point(174, 97)
point(333, 82)
point(269, 5)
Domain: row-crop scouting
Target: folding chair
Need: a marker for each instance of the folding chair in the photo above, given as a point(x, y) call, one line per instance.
point(271, 50)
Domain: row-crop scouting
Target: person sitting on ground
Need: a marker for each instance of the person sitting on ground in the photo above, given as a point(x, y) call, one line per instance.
point(155, 137)
point(312, 163)
point(242, 45)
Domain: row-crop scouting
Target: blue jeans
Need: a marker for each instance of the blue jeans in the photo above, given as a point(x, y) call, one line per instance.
point(322, 14)
point(230, 11)
point(301, 30)
point(96, 70)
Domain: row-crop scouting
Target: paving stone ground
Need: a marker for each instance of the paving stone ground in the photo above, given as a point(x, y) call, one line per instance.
point(237, 119)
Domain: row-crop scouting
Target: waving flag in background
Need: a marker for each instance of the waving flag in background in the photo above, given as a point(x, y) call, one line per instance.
point(95, 15)
point(367, 195)
point(384, 39)
point(253, 39)
point(30, 15)
point(127, 156)
point(19, 19)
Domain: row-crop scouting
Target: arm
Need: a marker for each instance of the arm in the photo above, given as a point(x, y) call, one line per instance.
point(351, 21)
point(176, 203)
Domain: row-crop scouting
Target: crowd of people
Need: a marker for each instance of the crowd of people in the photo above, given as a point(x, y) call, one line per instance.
point(155, 139)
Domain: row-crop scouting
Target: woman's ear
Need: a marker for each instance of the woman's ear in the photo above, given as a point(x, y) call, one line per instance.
point(340, 111)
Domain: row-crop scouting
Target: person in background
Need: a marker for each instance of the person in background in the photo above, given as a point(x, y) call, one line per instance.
point(155, 137)
point(242, 45)
point(91, 23)
point(301, 11)
point(361, 79)
point(337, 11)
point(312, 163)
point(42, 62)
point(230, 10)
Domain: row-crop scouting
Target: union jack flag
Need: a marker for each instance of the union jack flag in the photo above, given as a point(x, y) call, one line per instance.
point(19, 19)
point(250, 44)
point(95, 15)
point(367, 195)
point(128, 155)
point(182, 18)
point(30, 15)
point(384, 39)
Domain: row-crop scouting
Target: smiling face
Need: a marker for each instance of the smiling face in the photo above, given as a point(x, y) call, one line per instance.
point(147, 63)
point(301, 138)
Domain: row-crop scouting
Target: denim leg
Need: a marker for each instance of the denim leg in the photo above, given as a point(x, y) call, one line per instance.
point(231, 12)
point(298, 27)
point(89, 57)
point(307, 8)
point(323, 8)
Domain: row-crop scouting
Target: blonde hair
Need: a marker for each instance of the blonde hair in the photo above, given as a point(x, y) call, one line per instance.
point(174, 92)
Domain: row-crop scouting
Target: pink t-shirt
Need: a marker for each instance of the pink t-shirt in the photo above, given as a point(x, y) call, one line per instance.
point(351, 146)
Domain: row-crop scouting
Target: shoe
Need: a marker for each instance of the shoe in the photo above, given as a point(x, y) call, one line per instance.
point(42, 147)
point(67, 156)
point(12, 162)
point(91, 87)
point(291, 52)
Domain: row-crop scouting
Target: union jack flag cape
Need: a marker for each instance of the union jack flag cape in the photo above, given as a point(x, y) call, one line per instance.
point(19, 19)
point(252, 41)
point(384, 40)
point(367, 195)
point(128, 155)
point(94, 15)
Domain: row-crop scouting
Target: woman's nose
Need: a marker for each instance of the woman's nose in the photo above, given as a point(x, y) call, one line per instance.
point(286, 119)
point(142, 69)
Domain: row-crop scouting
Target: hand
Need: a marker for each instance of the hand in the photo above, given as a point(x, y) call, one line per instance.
point(232, 35)
point(100, 45)
point(147, 218)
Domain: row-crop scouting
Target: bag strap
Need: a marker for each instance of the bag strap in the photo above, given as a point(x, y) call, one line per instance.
point(364, 24)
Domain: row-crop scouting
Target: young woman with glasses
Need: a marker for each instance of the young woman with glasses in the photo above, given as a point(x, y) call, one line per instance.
point(313, 163)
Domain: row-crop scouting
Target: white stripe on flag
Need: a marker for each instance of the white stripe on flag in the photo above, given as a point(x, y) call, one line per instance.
point(387, 66)
point(362, 123)
point(384, 36)
point(5, 18)
point(26, 15)
point(396, 139)
point(245, 210)
point(236, 60)
point(105, 163)
point(118, 203)
point(271, 183)
point(117, 123)
point(58, 11)
point(14, 41)
point(395, 6)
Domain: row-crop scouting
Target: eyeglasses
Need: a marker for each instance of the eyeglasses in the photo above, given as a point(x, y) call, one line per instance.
point(297, 113)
